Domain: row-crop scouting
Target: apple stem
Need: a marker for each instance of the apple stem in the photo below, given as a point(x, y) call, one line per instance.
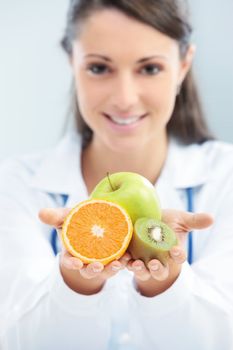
point(110, 182)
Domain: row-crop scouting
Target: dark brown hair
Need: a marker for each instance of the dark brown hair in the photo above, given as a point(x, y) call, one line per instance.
point(170, 17)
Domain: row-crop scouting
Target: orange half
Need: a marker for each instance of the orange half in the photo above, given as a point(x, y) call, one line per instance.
point(97, 230)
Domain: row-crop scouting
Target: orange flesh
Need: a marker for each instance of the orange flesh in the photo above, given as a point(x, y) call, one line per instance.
point(108, 217)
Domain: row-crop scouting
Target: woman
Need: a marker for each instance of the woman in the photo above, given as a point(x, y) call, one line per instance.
point(137, 109)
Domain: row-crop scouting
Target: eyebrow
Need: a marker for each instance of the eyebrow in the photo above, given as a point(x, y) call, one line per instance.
point(107, 59)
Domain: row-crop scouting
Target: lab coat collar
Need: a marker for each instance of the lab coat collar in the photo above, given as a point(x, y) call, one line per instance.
point(186, 165)
point(60, 171)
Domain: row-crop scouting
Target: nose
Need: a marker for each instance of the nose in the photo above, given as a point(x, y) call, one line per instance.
point(124, 93)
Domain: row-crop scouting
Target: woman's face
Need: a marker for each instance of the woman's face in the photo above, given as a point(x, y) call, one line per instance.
point(126, 76)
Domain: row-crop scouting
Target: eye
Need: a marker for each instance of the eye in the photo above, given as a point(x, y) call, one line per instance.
point(151, 69)
point(97, 68)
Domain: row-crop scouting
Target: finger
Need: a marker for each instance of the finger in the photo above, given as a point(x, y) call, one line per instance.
point(185, 220)
point(178, 255)
point(125, 259)
point(70, 262)
point(112, 268)
point(92, 270)
point(140, 271)
point(158, 271)
point(129, 265)
point(53, 216)
point(197, 220)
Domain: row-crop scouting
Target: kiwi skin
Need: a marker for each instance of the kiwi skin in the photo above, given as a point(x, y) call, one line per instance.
point(144, 247)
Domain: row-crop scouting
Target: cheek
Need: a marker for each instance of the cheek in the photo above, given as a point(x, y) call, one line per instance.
point(162, 97)
point(90, 96)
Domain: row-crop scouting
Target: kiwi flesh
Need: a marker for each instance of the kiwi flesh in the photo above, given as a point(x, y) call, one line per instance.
point(152, 239)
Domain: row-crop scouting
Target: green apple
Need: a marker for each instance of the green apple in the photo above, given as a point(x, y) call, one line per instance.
point(133, 192)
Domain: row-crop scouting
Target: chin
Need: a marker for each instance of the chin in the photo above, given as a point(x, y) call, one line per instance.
point(123, 146)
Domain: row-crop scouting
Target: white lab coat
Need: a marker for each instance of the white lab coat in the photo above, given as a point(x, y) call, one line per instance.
point(38, 310)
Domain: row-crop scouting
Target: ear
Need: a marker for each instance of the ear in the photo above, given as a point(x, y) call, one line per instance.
point(186, 62)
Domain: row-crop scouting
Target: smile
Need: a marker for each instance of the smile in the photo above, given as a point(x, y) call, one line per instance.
point(124, 121)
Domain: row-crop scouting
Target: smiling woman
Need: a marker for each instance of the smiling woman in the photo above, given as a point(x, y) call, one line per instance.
point(137, 110)
point(146, 56)
point(119, 96)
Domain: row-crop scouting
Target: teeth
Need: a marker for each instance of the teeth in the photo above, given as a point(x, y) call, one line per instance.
point(124, 121)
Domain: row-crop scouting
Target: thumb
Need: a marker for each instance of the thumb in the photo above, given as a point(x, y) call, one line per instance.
point(186, 221)
point(196, 220)
point(53, 216)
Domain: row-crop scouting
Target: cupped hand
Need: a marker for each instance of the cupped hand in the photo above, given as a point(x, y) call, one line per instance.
point(182, 223)
point(94, 270)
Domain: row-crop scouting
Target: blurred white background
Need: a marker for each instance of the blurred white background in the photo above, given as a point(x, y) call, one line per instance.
point(35, 74)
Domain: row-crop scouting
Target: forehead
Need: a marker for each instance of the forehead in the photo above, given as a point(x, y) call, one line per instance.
point(111, 30)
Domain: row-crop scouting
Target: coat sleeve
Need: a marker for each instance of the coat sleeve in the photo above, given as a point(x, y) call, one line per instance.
point(53, 316)
point(37, 309)
point(196, 312)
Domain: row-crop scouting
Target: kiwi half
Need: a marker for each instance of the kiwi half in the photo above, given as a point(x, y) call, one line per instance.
point(152, 239)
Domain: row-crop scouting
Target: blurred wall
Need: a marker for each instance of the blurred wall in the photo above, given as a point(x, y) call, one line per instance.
point(213, 29)
point(35, 75)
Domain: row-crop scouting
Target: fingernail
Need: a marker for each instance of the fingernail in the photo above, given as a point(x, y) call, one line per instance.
point(116, 268)
point(154, 267)
point(137, 268)
point(96, 269)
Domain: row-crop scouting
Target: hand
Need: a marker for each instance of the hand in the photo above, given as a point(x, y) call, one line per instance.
point(155, 278)
point(84, 279)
